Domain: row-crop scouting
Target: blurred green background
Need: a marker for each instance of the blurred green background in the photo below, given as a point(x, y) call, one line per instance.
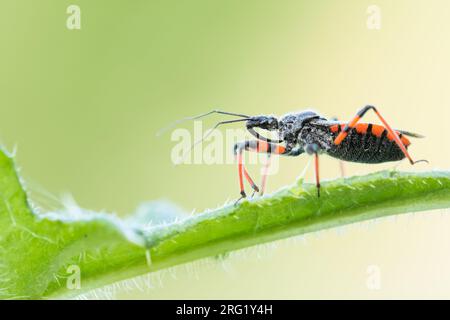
point(83, 107)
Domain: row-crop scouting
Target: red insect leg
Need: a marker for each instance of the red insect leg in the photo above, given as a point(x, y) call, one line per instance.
point(316, 162)
point(256, 146)
point(264, 174)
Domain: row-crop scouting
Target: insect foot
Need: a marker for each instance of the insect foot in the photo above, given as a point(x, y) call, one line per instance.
point(243, 196)
point(417, 161)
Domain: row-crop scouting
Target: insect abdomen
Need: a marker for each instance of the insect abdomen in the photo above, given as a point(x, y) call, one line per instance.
point(367, 143)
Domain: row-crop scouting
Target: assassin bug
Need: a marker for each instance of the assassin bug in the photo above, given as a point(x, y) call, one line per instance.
point(308, 132)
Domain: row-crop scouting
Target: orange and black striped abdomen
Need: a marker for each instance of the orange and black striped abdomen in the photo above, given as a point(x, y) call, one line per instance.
point(366, 143)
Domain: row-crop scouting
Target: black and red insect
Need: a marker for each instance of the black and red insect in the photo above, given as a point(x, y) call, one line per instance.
point(309, 132)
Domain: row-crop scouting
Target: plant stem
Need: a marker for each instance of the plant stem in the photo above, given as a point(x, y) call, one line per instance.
point(36, 251)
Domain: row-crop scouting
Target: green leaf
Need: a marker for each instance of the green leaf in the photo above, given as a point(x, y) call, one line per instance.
point(38, 251)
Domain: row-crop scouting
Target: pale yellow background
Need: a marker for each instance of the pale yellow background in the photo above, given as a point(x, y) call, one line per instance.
point(83, 108)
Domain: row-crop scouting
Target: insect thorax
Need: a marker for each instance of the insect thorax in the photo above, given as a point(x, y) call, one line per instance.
point(304, 128)
point(316, 132)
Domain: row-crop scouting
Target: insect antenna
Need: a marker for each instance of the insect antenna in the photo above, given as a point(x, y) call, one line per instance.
point(176, 123)
point(205, 136)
